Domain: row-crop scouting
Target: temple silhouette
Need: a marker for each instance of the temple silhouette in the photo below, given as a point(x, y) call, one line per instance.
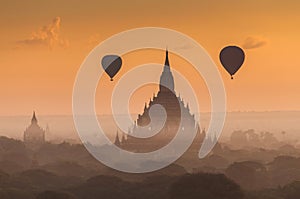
point(34, 135)
point(174, 106)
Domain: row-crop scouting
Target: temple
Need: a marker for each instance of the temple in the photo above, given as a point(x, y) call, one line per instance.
point(174, 106)
point(34, 135)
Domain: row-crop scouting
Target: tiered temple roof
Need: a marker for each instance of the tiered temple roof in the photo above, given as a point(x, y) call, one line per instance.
point(175, 110)
point(34, 135)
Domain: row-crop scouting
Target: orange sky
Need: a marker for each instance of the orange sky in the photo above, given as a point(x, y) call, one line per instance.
point(38, 66)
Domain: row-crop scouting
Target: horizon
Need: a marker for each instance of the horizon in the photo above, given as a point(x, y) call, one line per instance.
point(71, 115)
point(62, 126)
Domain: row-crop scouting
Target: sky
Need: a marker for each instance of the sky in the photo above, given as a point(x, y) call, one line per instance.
point(43, 44)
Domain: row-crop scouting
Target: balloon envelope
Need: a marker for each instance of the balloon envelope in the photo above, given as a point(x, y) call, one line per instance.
point(232, 58)
point(111, 64)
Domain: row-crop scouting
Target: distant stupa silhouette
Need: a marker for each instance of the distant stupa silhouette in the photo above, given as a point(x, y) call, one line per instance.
point(172, 104)
point(34, 135)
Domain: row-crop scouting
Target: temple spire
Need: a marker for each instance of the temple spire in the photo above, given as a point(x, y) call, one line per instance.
point(123, 138)
point(167, 58)
point(166, 78)
point(117, 140)
point(33, 120)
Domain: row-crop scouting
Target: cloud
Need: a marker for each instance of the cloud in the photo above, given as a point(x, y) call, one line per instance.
point(94, 40)
point(48, 35)
point(252, 42)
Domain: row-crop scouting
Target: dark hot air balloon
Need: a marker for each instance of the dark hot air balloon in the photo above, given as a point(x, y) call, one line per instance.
point(232, 58)
point(111, 64)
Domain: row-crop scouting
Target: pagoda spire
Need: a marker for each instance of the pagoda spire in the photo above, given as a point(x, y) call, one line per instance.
point(117, 140)
point(123, 138)
point(167, 58)
point(153, 97)
point(166, 79)
point(34, 120)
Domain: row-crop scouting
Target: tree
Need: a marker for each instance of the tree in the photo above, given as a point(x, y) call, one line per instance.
point(206, 186)
point(54, 195)
point(291, 191)
point(248, 174)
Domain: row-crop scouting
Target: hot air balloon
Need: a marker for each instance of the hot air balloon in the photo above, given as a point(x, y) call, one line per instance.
point(111, 64)
point(232, 58)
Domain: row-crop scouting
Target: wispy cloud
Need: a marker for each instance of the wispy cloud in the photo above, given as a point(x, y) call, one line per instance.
point(254, 42)
point(48, 35)
point(93, 40)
